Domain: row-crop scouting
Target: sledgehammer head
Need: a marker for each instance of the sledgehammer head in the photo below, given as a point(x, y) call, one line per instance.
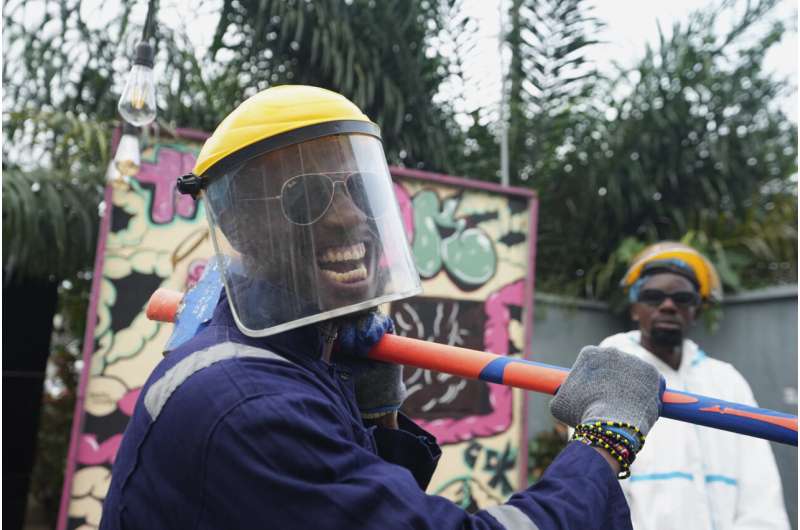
point(163, 305)
point(189, 311)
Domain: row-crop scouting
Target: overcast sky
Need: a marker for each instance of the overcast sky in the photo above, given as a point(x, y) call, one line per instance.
point(630, 24)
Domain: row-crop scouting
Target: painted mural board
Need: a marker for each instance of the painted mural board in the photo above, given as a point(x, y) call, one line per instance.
point(473, 245)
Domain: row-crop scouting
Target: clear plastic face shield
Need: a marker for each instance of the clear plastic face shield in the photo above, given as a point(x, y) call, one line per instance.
point(309, 232)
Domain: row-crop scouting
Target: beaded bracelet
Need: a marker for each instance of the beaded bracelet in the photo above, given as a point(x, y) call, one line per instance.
point(609, 435)
point(633, 441)
point(622, 445)
point(620, 448)
point(618, 430)
point(616, 452)
point(623, 450)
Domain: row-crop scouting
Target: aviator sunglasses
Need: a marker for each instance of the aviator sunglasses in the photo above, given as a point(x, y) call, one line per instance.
point(656, 297)
point(306, 198)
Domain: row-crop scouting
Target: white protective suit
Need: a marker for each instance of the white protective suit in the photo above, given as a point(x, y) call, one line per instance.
point(689, 477)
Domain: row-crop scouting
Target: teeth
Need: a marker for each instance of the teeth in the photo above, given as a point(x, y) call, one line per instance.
point(346, 253)
point(355, 275)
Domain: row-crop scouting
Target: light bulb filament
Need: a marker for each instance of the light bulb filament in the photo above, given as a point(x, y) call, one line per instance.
point(137, 98)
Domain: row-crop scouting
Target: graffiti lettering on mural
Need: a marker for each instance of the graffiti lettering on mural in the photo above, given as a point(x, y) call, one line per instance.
point(469, 493)
point(466, 252)
point(497, 464)
point(102, 395)
point(154, 238)
point(126, 287)
point(86, 509)
point(471, 454)
point(128, 226)
point(140, 256)
point(456, 409)
point(486, 480)
point(195, 271)
point(189, 244)
point(505, 221)
point(92, 485)
point(434, 395)
point(161, 165)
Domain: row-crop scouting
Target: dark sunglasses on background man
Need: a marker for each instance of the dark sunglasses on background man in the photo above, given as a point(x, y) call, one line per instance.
point(656, 297)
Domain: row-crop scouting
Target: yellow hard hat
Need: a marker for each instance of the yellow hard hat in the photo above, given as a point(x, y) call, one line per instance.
point(672, 256)
point(284, 115)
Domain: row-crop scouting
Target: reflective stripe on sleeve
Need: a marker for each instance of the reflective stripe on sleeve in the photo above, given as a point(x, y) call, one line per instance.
point(512, 518)
point(160, 391)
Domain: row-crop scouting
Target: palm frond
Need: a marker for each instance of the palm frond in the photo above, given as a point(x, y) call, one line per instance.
point(50, 224)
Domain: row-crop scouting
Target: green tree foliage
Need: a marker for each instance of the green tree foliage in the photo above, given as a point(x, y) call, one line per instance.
point(374, 52)
point(60, 99)
point(50, 211)
point(548, 80)
point(549, 77)
point(479, 154)
point(695, 150)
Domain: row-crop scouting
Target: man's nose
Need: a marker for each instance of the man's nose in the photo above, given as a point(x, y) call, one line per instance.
point(343, 212)
point(668, 305)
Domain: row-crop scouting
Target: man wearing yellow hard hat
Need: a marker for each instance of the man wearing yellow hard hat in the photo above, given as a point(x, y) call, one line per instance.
point(271, 416)
point(691, 477)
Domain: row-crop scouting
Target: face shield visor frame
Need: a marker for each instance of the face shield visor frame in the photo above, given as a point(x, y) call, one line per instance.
point(308, 231)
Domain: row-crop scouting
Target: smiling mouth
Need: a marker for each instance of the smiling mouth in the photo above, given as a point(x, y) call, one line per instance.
point(668, 324)
point(344, 264)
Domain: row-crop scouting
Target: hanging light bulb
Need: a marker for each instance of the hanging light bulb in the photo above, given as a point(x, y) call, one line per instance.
point(127, 159)
point(137, 105)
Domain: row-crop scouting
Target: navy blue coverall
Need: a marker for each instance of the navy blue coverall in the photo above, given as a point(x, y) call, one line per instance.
point(237, 433)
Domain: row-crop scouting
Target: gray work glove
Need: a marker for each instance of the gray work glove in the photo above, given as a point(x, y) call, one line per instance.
point(608, 385)
point(379, 386)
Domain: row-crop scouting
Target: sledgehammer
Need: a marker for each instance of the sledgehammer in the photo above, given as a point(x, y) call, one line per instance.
point(167, 305)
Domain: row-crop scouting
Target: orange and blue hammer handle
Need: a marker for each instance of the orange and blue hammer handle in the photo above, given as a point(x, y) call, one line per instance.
point(540, 377)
